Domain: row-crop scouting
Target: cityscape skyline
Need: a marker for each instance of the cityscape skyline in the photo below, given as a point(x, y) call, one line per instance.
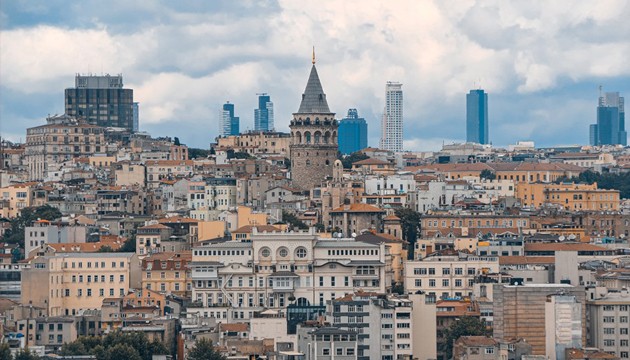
point(527, 82)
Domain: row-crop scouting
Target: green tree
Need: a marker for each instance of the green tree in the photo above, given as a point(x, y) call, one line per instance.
point(347, 160)
point(203, 350)
point(410, 223)
point(5, 352)
point(464, 326)
point(293, 221)
point(27, 216)
point(176, 141)
point(25, 354)
point(195, 153)
point(129, 245)
point(105, 249)
point(487, 174)
point(120, 351)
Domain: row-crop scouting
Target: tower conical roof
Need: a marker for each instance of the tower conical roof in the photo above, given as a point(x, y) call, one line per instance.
point(314, 99)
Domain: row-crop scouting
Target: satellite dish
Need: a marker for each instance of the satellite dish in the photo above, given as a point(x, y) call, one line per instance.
point(572, 237)
point(340, 235)
point(354, 235)
point(561, 238)
point(334, 234)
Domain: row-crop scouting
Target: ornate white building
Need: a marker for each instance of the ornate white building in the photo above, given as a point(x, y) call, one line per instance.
point(233, 280)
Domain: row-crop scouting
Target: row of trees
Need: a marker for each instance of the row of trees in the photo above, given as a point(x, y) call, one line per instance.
point(604, 180)
point(118, 346)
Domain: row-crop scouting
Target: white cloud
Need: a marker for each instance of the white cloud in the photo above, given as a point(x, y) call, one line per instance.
point(184, 64)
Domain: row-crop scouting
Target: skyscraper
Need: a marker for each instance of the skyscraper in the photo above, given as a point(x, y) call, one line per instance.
point(610, 128)
point(352, 133)
point(136, 117)
point(229, 122)
point(392, 123)
point(477, 117)
point(101, 100)
point(263, 116)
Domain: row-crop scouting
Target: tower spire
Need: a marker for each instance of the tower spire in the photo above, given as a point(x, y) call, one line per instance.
point(313, 55)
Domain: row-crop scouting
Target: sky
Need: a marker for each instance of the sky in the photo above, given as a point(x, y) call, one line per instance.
point(541, 62)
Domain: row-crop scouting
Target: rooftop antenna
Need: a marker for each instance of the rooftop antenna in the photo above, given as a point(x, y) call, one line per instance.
point(313, 55)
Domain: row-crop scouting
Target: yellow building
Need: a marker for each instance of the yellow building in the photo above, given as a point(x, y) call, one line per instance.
point(570, 196)
point(68, 283)
point(247, 217)
point(168, 272)
point(15, 198)
point(101, 161)
point(211, 229)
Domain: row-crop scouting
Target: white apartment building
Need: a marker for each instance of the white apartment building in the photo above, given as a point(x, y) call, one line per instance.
point(387, 325)
point(609, 325)
point(398, 184)
point(43, 232)
point(447, 276)
point(232, 280)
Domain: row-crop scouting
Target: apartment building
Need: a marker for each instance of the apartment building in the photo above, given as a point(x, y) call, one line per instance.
point(71, 282)
point(233, 279)
point(355, 218)
point(609, 323)
point(158, 170)
point(447, 275)
point(168, 273)
point(519, 312)
point(576, 197)
point(14, 199)
point(472, 225)
point(61, 139)
point(50, 332)
point(150, 237)
point(44, 232)
point(388, 326)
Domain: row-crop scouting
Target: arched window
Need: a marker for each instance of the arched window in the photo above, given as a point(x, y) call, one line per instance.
point(307, 137)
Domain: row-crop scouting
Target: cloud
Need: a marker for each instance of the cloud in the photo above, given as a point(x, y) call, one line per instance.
point(184, 60)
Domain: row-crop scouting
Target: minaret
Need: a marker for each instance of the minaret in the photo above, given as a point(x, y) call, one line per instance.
point(313, 136)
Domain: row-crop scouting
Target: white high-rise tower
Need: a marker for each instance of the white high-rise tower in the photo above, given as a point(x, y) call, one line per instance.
point(392, 126)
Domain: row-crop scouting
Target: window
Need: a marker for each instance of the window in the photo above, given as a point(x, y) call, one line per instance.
point(609, 342)
point(445, 282)
point(339, 351)
point(300, 253)
point(446, 271)
point(89, 292)
point(283, 252)
point(325, 351)
point(431, 271)
point(418, 283)
point(265, 252)
point(431, 282)
point(419, 271)
point(458, 282)
point(489, 350)
point(350, 351)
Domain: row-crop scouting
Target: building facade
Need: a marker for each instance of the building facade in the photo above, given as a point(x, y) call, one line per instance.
point(101, 100)
point(230, 124)
point(477, 117)
point(263, 116)
point(314, 137)
point(392, 124)
point(352, 133)
point(63, 138)
point(610, 128)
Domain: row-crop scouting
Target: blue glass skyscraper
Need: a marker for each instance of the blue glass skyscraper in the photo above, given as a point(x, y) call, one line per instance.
point(263, 116)
point(229, 122)
point(477, 117)
point(611, 117)
point(352, 133)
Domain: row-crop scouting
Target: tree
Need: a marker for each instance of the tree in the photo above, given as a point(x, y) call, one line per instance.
point(129, 245)
point(347, 160)
point(292, 220)
point(25, 354)
point(105, 249)
point(487, 174)
point(203, 350)
point(241, 155)
point(410, 223)
point(5, 352)
point(120, 351)
point(27, 216)
point(176, 141)
point(607, 180)
point(194, 153)
point(464, 326)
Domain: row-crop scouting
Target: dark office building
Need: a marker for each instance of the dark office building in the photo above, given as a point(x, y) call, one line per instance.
point(230, 124)
point(610, 128)
point(263, 116)
point(477, 117)
point(101, 100)
point(352, 133)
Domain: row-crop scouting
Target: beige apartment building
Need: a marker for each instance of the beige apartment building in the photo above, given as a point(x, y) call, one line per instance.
point(444, 276)
point(62, 138)
point(168, 272)
point(71, 282)
point(15, 198)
